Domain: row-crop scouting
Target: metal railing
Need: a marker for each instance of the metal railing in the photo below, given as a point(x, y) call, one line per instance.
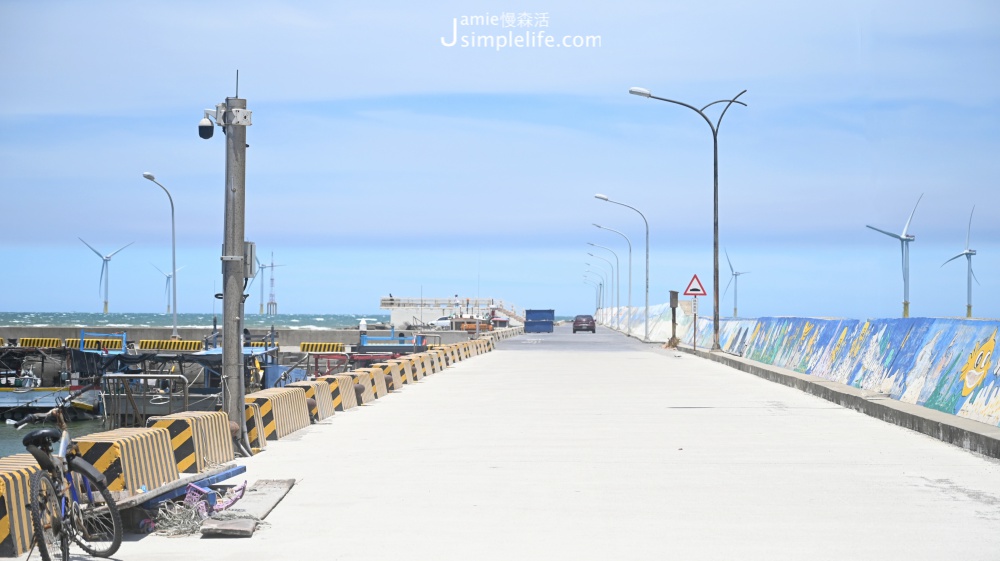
point(130, 396)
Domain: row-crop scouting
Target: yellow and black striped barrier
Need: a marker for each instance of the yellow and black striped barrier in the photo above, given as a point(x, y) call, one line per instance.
point(391, 369)
point(131, 458)
point(200, 439)
point(307, 347)
point(255, 427)
point(415, 367)
point(96, 344)
point(282, 410)
point(368, 390)
point(445, 356)
point(377, 380)
point(453, 352)
point(41, 342)
point(15, 518)
point(170, 345)
point(319, 392)
point(341, 391)
point(425, 360)
point(442, 358)
point(403, 367)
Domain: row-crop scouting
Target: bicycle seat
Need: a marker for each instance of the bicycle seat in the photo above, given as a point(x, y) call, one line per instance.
point(42, 437)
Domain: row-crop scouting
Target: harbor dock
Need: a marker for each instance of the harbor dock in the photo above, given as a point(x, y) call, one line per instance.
point(598, 446)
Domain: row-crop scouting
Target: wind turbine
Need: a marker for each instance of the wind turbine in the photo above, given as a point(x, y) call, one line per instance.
point(166, 291)
point(968, 253)
point(105, 269)
point(736, 287)
point(904, 241)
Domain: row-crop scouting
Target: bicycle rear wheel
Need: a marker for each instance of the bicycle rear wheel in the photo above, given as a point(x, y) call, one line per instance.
point(46, 518)
point(96, 522)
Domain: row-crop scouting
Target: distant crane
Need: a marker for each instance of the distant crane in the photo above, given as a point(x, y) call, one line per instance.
point(272, 304)
point(170, 277)
point(105, 269)
point(735, 281)
point(968, 253)
point(260, 270)
point(904, 240)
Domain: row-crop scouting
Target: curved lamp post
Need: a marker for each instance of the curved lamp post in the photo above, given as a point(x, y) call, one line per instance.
point(173, 247)
point(715, 147)
point(629, 242)
point(618, 283)
point(600, 287)
point(611, 279)
point(605, 198)
point(604, 281)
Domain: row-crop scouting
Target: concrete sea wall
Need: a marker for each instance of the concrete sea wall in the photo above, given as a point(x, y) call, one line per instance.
point(941, 364)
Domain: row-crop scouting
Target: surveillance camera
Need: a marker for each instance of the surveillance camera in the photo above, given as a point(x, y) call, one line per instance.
point(205, 128)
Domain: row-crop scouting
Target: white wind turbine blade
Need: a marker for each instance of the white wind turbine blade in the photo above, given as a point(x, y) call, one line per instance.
point(119, 249)
point(161, 272)
point(974, 274)
point(727, 286)
point(731, 270)
point(906, 227)
point(952, 259)
point(968, 234)
point(890, 234)
point(99, 254)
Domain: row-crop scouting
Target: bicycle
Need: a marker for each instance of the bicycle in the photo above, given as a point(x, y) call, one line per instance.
point(69, 498)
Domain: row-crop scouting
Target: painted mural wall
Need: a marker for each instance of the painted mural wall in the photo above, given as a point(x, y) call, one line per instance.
point(942, 364)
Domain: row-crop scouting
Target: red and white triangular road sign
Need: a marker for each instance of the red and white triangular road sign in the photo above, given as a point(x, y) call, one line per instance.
point(695, 288)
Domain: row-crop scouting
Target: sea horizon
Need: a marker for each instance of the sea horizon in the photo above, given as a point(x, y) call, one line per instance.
point(184, 320)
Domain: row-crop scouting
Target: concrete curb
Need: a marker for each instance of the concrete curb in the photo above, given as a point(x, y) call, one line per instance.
point(971, 435)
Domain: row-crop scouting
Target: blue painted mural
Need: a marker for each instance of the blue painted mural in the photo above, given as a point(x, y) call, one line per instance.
point(942, 364)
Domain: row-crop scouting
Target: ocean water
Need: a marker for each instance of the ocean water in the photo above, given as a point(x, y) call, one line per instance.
point(201, 321)
point(10, 438)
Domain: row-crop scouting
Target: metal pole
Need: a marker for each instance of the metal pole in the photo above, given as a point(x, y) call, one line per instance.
point(173, 250)
point(644, 221)
point(603, 280)
point(715, 229)
point(618, 284)
point(233, 266)
point(611, 277)
point(628, 326)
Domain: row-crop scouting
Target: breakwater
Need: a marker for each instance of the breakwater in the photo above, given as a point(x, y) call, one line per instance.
point(943, 364)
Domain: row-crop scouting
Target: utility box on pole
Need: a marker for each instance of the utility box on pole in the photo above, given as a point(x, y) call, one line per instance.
point(673, 319)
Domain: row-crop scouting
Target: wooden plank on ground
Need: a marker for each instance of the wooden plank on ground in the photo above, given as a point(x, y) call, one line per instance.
point(261, 498)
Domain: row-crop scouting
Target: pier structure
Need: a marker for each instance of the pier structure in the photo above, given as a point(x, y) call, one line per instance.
point(597, 446)
point(407, 312)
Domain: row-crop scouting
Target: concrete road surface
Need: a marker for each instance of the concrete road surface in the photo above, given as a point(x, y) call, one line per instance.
point(562, 446)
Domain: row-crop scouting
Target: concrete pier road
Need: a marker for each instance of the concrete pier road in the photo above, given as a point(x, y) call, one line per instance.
point(562, 446)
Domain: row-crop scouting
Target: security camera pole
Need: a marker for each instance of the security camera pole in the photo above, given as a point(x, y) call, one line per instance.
point(234, 118)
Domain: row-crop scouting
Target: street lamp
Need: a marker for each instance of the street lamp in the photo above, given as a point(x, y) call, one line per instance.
point(629, 242)
point(604, 280)
point(611, 277)
point(605, 198)
point(599, 285)
point(618, 283)
point(643, 92)
point(173, 247)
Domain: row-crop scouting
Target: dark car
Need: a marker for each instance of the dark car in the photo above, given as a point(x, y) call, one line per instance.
point(584, 323)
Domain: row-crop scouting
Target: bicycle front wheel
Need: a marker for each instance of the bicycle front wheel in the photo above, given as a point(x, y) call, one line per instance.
point(46, 518)
point(96, 522)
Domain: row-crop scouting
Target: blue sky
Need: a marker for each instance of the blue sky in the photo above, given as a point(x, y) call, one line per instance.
point(382, 161)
